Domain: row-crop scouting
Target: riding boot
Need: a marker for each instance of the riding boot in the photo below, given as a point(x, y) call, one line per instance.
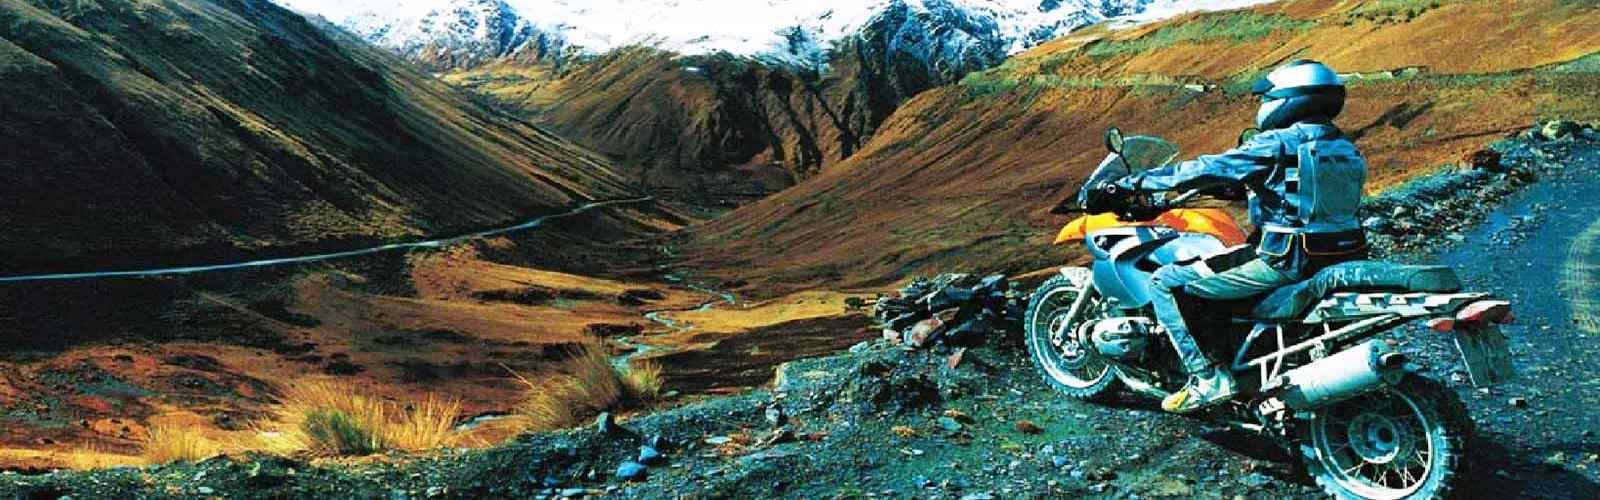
point(1207, 387)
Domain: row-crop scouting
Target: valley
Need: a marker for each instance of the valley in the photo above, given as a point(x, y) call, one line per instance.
point(878, 419)
point(213, 204)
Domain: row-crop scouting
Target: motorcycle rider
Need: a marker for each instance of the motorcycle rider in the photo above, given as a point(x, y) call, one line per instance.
point(1305, 181)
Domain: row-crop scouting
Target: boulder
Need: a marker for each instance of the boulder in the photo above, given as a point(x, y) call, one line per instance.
point(632, 471)
point(1559, 129)
point(648, 455)
point(1487, 160)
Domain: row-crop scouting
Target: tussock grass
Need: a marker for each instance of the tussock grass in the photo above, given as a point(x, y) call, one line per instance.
point(170, 444)
point(589, 384)
point(327, 418)
point(643, 381)
point(331, 431)
point(426, 425)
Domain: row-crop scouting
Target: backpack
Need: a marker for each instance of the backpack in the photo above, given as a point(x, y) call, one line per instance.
point(1324, 190)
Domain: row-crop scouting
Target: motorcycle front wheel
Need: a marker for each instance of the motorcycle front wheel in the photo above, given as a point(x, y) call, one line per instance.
point(1403, 442)
point(1069, 367)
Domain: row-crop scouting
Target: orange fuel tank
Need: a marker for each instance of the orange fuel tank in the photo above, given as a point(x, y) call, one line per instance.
point(1210, 221)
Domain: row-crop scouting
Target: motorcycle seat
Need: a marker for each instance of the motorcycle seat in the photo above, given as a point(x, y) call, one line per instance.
point(1289, 302)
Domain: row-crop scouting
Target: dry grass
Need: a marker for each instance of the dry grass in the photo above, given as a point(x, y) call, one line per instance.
point(178, 444)
point(588, 385)
point(427, 425)
point(643, 381)
point(328, 418)
point(93, 458)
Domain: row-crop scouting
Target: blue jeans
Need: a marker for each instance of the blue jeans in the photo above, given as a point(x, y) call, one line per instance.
point(1243, 276)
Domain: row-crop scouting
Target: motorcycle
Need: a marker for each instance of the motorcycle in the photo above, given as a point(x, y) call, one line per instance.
point(1311, 372)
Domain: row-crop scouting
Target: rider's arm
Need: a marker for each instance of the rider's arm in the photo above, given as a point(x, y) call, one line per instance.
point(1237, 165)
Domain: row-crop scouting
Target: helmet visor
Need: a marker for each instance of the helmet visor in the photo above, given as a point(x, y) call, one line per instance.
point(1261, 87)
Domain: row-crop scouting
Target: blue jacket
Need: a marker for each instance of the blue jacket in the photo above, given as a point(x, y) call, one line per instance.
point(1302, 224)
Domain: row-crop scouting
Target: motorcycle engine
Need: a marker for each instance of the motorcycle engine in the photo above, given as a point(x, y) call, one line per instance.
point(1122, 339)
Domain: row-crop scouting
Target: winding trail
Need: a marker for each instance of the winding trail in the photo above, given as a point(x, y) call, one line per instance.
point(436, 243)
point(1541, 250)
point(1578, 275)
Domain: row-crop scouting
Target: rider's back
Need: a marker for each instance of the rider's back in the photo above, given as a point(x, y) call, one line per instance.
point(1306, 206)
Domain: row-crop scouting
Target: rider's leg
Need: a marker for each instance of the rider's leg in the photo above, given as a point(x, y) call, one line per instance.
point(1254, 277)
point(1163, 289)
point(1208, 383)
point(1169, 279)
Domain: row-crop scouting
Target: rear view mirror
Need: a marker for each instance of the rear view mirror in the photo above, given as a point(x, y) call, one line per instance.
point(1114, 140)
point(1248, 134)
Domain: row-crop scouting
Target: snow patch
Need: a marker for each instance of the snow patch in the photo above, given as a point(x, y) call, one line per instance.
point(792, 31)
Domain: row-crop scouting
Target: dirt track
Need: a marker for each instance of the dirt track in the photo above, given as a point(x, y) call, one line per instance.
point(304, 259)
point(1541, 250)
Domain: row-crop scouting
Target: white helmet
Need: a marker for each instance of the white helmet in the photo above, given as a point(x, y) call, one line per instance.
point(1297, 92)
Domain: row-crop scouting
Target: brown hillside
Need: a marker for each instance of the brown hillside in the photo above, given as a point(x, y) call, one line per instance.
point(161, 131)
point(961, 177)
point(716, 128)
point(706, 127)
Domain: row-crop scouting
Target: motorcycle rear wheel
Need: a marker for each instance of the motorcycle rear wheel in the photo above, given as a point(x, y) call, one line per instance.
point(1403, 442)
point(1070, 368)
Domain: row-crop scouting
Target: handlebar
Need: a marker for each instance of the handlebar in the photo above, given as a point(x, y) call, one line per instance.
point(1132, 212)
point(1180, 199)
point(1156, 208)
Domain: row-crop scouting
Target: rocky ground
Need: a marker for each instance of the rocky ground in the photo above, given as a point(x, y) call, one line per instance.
point(873, 422)
point(1535, 247)
point(878, 421)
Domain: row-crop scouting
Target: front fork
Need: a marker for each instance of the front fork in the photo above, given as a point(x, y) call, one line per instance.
point(1067, 326)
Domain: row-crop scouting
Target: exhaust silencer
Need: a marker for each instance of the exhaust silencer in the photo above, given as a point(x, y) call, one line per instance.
point(1349, 373)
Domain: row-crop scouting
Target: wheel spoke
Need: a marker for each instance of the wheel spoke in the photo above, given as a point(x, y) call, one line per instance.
point(1341, 445)
point(1057, 349)
point(1356, 469)
point(1381, 445)
point(1091, 366)
point(1424, 457)
point(1410, 480)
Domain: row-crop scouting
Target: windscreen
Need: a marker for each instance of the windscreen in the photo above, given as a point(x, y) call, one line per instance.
point(1139, 153)
point(1147, 152)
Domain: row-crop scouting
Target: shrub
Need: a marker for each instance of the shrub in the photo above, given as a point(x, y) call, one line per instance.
point(1392, 11)
point(336, 432)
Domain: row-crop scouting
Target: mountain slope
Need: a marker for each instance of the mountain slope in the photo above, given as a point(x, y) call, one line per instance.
point(961, 176)
point(169, 130)
point(457, 34)
point(711, 127)
point(710, 100)
point(724, 127)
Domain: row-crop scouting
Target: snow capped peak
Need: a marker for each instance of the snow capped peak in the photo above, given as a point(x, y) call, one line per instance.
point(786, 30)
